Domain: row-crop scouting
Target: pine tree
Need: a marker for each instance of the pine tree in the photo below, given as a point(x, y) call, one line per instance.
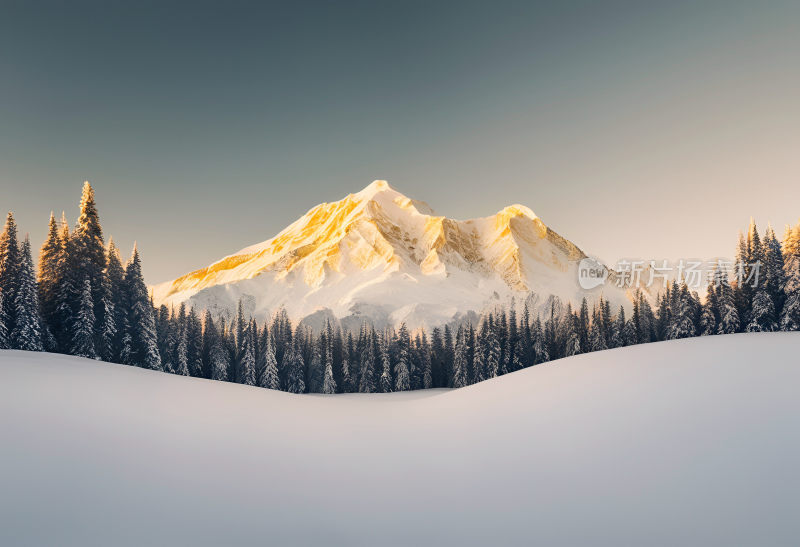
point(367, 381)
point(269, 374)
point(762, 313)
point(27, 333)
point(790, 315)
point(166, 336)
point(540, 353)
point(106, 330)
point(141, 320)
point(181, 354)
point(9, 271)
point(708, 323)
point(195, 346)
point(83, 328)
point(492, 363)
point(247, 360)
point(427, 374)
point(479, 367)
point(775, 274)
point(328, 384)
point(682, 325)
point(385, 381)
point(89, 259)
point(570, 326)
point(68, 291)
point(729, 321)
point(460, 360)
point(50, 257)
point(402, 378)
point(295, 382)
point(583, 325)
point(5, 342)
point(316, 366)
point(219, 358)
point(597, 341)
point(115, 280)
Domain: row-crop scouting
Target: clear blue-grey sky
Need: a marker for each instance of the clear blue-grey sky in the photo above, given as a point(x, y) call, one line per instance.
point(647, 129)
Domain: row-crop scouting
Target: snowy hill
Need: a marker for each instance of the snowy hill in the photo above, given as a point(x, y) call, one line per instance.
point(381, 255)
point(690, 442)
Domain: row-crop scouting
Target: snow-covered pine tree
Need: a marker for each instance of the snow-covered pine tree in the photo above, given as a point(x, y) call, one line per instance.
point(790, 316)
point(194, 346)
point(219, 358)
point(295, 370)
point(167, 338)
point(708, 323)
point(269, 373)
point(106, 331)
point(438, 377)
point(774, 274)
point(83, 327)
point(597, 341)
point(425, 350)
point(5, 342)
point(460, 360)
point(682, 324)
point(402, 374)
point(141, 320)
point(367, 381)
point(540, 352)
point(328, 383)
point(583, 325)
point(492, 363)
point(115, 279)
point(316, 365)
point(247, 360)
point(9, 271)
point(479, 368)
point(729, 321)
point(526, 334)
point(762, 313)
point(618, 338)
point(501, 328)
point(68, 291)
point(573, 343)
point(448, 354)
point(89, 257)
point(181, 366)
point(664, 314)
point(629, 333)
point(49, 275)
point(385, 381)
point(27, 333)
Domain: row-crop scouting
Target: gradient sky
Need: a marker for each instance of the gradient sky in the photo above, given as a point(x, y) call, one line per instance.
point(637, 130)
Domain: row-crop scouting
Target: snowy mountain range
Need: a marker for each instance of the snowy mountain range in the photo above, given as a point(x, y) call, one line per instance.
point(381, 256)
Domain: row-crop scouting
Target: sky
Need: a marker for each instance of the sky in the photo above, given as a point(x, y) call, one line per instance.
point(634, 129)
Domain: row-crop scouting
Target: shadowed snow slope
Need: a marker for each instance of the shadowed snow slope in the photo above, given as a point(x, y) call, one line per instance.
point(687, 442)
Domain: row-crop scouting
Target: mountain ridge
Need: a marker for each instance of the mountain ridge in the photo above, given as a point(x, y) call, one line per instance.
point(339, 254)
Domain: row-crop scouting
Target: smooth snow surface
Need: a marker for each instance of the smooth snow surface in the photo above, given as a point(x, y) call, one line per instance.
point(691, 442)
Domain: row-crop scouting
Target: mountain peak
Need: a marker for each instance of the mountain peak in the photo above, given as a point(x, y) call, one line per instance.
point(517, 210)
point(374, 188)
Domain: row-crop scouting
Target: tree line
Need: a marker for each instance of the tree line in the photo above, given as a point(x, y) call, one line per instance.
point(85, 302)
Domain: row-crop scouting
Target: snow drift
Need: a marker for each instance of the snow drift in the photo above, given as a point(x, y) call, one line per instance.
point(685, 442)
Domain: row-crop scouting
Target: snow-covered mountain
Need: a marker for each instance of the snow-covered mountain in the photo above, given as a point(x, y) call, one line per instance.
point(380, 255)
